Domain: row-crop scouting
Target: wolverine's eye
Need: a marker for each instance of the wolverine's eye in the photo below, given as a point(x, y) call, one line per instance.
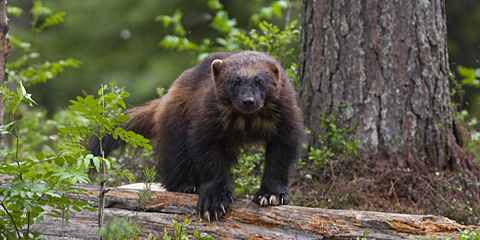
point(236, 82)
point(259, 81)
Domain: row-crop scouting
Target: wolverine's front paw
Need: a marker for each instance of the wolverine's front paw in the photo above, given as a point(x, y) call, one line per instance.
point(265, 198)
point(212, 206)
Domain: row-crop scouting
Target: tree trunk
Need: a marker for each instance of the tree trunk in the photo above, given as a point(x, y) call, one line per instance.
point(5, 49)
point(388, 62)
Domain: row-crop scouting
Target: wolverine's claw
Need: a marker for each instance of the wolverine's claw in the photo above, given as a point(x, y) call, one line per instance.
point(207, 216)
point(223, 209)
point(263, 201)
point(273, 200)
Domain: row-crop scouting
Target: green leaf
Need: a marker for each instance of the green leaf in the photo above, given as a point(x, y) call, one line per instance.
point(96, 163)
point(125, 95)
point(470, 76)
point(267, 12)
point(15, 11)
point(277, 8)
point(477, 72)
point(107, 163)
point(166, 20)
point(19, 184)
point(54, 19)
point(59, 161)
point(40, 156)
point(215, 5)
point(122, 103)
point(39, 219)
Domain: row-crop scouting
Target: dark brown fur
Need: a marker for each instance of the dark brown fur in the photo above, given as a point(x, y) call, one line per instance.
point(211, 111)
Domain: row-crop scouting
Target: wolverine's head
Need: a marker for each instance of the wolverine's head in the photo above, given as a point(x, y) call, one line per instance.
point(245, 80)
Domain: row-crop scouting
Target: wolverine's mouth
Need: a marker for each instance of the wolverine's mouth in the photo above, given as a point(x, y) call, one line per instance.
point(249, 109)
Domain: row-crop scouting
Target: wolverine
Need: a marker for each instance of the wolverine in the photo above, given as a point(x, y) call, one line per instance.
point(226, 102)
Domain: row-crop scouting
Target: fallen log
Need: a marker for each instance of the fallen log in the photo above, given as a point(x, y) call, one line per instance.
point(246, 220)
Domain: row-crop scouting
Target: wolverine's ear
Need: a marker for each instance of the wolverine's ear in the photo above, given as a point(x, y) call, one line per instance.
point(276, 72)
point(216, 66)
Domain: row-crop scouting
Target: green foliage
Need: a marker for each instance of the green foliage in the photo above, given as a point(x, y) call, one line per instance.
point(177, 41)
point(23, 68)
point(34, 133)
point(179, 231)
point(15, 11)
point(270, 39)
point(45, 168)
point(24, 202)
point(266, 37)
point(44, 17)
point(34, 186)
point(365, 235)
point(335, 140)
point(469, 235)
point(275, 9)
point(465, 235)
point(146, 193)
point(469, 120)
point(41, 177)
point(105, 113)
point(463, 209)
point(472, 124)
point(320, 156)
point(246, 175)
point(119, 228)
point(470, 76)
point(160, 91)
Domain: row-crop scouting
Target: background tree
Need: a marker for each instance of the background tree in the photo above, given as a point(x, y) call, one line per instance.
point(5, 50)
point(382, 66)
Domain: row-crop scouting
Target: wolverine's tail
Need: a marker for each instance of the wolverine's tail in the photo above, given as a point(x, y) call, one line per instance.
point(142, 121)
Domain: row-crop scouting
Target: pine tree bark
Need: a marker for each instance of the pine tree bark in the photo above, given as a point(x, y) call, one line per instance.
point(5, 49)
point(388, 62)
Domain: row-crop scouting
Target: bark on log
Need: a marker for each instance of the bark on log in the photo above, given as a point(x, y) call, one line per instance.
point(246, 220)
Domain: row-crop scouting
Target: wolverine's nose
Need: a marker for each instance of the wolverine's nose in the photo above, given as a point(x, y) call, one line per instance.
point(248, 101)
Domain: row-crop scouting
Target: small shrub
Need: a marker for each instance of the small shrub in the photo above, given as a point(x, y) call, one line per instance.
point(335, 141)
point(119, 228)
point(179, 231)
point(247, 173)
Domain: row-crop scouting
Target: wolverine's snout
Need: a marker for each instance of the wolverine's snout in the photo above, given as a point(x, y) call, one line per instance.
point(248, 104)
point(248, 101)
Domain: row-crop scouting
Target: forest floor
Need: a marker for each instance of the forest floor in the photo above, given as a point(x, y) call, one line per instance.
point(373, 186)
